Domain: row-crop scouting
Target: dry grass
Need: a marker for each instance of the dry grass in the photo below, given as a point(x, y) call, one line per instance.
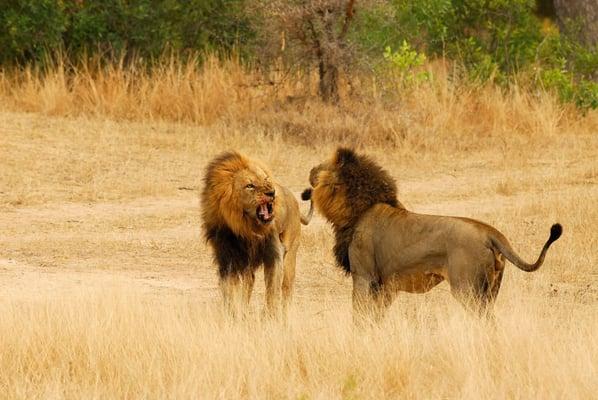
point(108, 291)
point(182, 91)
point(117, 345)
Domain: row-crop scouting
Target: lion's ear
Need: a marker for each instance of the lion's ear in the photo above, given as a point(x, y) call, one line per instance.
point(345, 155)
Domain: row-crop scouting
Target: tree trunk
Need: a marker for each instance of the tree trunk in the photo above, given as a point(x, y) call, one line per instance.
point(329, 52)
point(581, 12)
point(328, 82)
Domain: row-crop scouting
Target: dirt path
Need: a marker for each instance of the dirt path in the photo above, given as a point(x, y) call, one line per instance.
point(153, 245)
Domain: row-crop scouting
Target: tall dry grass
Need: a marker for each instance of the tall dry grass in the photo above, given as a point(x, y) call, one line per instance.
point(116, 344)
point(173, 90)
point(227, 90)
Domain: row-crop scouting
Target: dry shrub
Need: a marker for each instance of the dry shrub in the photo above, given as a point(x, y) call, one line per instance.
point(173, 90)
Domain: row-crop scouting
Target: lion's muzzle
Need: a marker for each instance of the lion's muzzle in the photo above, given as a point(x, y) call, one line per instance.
point(265, 209)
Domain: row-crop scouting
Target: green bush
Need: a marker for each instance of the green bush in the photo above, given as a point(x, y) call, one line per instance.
point(493, 40)
point(569, 69)
point(146, 28)
point(403, 66)
point(501, 41)
point(30, 27)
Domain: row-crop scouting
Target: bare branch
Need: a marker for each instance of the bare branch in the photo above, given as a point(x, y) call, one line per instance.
point(349, 12)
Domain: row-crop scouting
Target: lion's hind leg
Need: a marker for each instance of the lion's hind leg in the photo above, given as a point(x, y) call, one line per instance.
point(495, 275)
point(490, 287)
point(288, 279)
point(494, 278)
point(474, 281)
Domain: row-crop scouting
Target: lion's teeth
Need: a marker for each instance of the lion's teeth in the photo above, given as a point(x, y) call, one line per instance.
point(264, 211)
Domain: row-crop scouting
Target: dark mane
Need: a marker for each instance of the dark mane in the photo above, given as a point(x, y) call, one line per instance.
point(366, 184)
point(365, 181)
point(235, 254)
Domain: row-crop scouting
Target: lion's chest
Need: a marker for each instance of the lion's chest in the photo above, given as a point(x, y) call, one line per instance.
point(236, 254)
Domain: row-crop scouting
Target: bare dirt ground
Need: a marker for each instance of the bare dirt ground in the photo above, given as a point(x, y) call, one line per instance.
point(93, 205)
point(58, 232)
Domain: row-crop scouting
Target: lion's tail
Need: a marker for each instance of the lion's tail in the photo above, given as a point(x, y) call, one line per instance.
point(500, 243)
point(305, 196)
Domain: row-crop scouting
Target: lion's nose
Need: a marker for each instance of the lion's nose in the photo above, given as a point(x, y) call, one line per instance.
point(271, 193)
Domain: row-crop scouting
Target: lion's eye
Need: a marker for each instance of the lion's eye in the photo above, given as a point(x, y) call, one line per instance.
point(250, 186)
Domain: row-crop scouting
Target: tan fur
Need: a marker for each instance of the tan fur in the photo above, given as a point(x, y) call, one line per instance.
point(391, 249)
point(235, 186)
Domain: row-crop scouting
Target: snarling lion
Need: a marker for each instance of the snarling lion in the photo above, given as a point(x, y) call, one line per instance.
point(250, 220)
point(386, 248)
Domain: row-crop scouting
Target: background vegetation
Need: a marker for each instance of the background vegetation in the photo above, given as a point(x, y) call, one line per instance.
point(505, 42)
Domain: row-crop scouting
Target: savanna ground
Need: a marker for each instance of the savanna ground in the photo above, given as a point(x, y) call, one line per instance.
point(108, 289)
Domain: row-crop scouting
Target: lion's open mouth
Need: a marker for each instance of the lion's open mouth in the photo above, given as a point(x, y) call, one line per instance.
point(265, 213)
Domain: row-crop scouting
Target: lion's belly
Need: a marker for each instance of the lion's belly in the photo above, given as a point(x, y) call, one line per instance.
point(415, 282)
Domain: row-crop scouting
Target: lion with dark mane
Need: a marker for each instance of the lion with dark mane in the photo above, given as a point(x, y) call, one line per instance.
point(250, 220)
point(386, 248)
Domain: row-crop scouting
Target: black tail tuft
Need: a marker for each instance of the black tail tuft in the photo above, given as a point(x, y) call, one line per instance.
point(306, 195)
point(555, 232)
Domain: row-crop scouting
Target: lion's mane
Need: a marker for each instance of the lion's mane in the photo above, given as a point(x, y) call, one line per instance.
point(359, 183)
point(238, 242)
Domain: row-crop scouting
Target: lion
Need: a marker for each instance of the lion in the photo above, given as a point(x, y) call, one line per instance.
point(386, 248)
point(250, 220)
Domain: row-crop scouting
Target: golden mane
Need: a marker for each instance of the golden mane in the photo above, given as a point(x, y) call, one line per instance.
point(249, 220)
point(221, 205)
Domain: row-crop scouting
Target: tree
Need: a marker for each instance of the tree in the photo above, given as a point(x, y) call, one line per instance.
point(316, 31)
point(581, 13)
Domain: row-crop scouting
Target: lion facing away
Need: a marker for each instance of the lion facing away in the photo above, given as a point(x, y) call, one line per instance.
point(250, 220)
point(386, 248)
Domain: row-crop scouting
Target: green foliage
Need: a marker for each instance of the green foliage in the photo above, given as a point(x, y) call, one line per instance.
point(29, 28)
point(587, 95)
point(558, 80)
point(583, 93)
point(493, 40)
point(500, 41)
point(404, 63)
point(569, 69)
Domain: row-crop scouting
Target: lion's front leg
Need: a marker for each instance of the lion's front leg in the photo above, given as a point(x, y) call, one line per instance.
point(236, 291)
point(365, 306)
point(366, 286)
point(231, 295)
point(273, 276)
point(248, 281)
